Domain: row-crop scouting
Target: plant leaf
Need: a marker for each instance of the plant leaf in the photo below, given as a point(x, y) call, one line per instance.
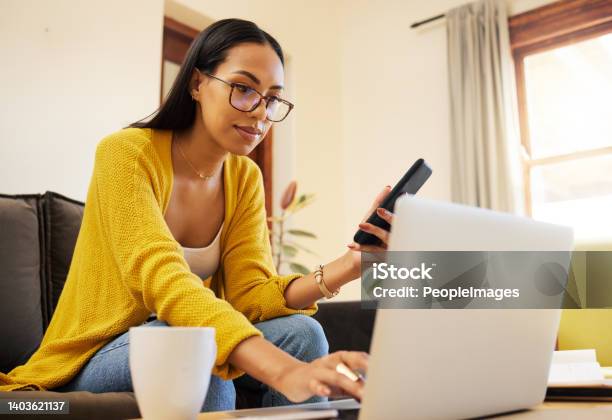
point(300, 202)
point(289, 250)
point(288, 195)
point(296, 198)
point(304, 201)
point(299, 268)
point(299, 232)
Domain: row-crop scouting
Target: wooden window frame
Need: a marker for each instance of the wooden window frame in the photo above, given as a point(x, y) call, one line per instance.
point(552, 26)
point(176, 40)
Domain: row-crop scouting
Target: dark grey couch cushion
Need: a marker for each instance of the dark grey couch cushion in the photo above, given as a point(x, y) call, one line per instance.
point(21, 279)
point(62, 221)
point(347, 326)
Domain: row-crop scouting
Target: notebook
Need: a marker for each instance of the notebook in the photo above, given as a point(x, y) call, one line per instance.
point(576, 375)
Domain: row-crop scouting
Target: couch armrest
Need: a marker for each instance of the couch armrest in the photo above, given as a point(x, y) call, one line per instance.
point(347, 326)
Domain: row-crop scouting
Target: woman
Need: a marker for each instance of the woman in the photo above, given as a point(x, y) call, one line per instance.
point(173, 201)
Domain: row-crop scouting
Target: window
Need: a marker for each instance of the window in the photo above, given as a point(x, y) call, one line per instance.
point(564, 80)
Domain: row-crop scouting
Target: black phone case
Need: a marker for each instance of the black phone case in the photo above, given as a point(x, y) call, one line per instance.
point(411, 182)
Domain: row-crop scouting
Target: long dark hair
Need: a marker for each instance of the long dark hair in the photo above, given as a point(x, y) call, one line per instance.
point(205, 53)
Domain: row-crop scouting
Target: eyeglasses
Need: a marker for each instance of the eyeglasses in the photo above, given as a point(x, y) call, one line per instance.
point(246, 99)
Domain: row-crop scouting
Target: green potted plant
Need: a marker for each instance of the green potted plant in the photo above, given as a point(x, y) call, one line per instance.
point(285, 245)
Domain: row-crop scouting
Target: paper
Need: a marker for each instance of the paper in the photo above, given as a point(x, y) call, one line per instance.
point(574, 356)
point(576, 368)
point(607, 372)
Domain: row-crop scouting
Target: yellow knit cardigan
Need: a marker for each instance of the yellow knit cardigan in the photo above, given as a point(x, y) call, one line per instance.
point(127, 264)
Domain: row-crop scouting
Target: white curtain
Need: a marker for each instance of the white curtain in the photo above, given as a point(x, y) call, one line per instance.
point(484, 142)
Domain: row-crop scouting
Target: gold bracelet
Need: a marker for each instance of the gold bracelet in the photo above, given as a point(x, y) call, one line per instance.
point(322, 286)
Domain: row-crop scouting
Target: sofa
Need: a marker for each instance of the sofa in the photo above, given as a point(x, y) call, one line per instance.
point(38, 233)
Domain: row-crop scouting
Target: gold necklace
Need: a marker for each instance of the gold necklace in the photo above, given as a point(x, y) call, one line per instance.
point(200, 174)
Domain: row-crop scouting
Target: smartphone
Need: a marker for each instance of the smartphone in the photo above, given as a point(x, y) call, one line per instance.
point(411, 182)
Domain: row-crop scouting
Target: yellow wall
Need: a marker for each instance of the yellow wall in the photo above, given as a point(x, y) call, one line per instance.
point(589, 328)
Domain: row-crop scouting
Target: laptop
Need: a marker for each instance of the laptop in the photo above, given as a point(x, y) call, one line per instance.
point(461, 363)
point(451, 363)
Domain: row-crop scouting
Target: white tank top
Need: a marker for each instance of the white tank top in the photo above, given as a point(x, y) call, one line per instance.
point(204, 261)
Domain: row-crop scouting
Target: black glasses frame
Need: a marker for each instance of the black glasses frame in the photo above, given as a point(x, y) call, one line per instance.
point(261, 97)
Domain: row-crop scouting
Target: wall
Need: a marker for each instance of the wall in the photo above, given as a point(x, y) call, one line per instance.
point(72, 72)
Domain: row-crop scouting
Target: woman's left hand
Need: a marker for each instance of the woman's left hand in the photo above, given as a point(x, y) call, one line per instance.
point(383, 235)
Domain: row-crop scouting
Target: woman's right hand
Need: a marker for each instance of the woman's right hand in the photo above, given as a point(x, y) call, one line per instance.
point(320, 377)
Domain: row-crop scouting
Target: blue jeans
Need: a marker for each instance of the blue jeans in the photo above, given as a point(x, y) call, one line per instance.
point(299, 335)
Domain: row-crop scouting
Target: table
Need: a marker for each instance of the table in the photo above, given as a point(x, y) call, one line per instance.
point(545, 411)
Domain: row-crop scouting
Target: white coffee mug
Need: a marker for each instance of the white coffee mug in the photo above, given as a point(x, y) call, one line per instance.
point(171, 368)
